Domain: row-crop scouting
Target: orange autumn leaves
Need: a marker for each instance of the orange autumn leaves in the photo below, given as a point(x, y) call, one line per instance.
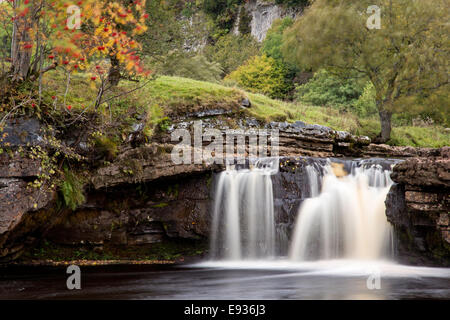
point(107, 30)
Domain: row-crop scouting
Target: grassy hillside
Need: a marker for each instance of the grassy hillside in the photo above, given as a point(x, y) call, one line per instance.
point(175, 95)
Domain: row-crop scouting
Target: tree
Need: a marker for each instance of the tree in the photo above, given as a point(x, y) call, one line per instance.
point(405, 60)
point(48, 34)
point(231, 51)
point(261, 74)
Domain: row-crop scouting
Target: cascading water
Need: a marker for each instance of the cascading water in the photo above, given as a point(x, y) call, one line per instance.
point(243, 225)
point(347, 218)
point(342, 214)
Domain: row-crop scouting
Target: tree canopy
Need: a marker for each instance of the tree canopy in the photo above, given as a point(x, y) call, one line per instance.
point(406, 59)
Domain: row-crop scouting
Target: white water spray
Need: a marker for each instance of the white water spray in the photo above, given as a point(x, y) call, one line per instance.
point(243, 225)
point(347, 219)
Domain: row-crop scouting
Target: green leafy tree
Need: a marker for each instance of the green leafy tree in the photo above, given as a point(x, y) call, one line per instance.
point(272, 45)
point(274, 39)
point(231, 51)
point(327, 89)
point(224, 12)
point(164, 32)
point(365, 106)
point(406, 60)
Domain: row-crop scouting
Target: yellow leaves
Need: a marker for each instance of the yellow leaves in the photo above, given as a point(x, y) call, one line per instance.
point(130, 66)
point(120, 57)
point(110, 43)
point(99, 30)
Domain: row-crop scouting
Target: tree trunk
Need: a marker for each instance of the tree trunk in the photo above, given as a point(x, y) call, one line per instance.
point(386, 126)
point(21, 57)
point(114, 72)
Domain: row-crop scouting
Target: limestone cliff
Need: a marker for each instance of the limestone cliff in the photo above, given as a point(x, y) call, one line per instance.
point(262, 14)
point(419, 208)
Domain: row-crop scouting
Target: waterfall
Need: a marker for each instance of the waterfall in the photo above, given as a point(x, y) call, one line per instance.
point(341, 215)
point(347, 218)
point(243, 225)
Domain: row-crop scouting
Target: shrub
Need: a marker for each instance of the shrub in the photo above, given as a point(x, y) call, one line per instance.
point(326, 89)
point(231, 51)
point(274, 39)
point(261, 74)
point(272, 48)
point(245, 20)
point(223, 11)
point(293, 2)
point(365, 105)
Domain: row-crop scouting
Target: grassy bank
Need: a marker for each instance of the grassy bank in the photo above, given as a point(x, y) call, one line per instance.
point(173, 96)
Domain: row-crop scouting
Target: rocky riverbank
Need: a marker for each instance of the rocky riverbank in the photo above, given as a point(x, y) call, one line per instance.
point(142, 198)
point(419, 208)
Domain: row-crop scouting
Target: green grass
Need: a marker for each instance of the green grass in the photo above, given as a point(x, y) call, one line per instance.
point(181, 95)
point(420, 136)
point(80, 94)
point(176, 96)
point(268, 109)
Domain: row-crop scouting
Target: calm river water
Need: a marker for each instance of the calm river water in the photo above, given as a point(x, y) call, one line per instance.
point(228, 280)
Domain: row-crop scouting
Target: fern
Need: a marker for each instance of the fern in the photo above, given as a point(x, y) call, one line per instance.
point(72, 190)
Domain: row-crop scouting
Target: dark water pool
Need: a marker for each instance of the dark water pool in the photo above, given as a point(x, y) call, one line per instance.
point(220, 280)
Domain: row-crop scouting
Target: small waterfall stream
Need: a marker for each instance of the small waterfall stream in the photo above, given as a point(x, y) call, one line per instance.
point(243, 223)
point(342, 214)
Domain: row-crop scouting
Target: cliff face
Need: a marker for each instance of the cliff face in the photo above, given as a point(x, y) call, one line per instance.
point(419, 208)
point(263, 14)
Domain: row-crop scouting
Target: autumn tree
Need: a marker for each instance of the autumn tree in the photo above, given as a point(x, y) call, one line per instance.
point(49, 34)
point(406, 58)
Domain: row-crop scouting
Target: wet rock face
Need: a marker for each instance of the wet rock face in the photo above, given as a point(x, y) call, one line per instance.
point(22, 132)
point(19, 203)
point(139, 214)
point(419, 208)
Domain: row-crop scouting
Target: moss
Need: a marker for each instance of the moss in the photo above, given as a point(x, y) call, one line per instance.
point(169, 250)
point(209, 181)
point(160, 205)
point(439, 249)
point(133, 167)
point(107, 147)
point(173, 191)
